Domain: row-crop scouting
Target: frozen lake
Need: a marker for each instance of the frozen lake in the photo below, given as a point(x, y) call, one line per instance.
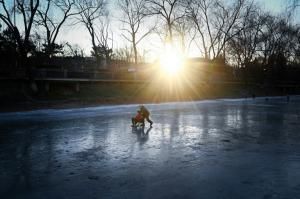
point(208, 149)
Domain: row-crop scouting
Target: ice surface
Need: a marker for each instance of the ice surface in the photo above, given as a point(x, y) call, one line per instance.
point(229, 148)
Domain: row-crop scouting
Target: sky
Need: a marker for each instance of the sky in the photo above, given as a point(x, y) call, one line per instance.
point(77, 34)
point(82, 38)
point(272, 5)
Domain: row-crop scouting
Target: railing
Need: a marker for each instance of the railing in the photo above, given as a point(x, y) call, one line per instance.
point(73, 74)
point(50, 73)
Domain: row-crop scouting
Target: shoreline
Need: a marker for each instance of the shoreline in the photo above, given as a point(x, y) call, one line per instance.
point(17, 96)
point(12, 107)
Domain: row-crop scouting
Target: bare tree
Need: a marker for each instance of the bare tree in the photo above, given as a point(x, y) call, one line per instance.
point(244, 45)
point(73, 50)
point(266, 39)
point(216, 23)
point(133, 18)
point(186, 35)
point(27, 10)
point(105, 40)
point(279, 37)
point(123, 54)
point(169, 10)
point(198, 13)
point(63, 9)
point(94, 16)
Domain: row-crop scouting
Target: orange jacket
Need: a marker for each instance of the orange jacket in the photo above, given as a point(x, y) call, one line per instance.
point(139, 117)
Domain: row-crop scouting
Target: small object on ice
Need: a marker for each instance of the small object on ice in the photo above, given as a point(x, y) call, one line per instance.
point(247, 182)
point(267, 196)
point(93, 177)
point(225, 140)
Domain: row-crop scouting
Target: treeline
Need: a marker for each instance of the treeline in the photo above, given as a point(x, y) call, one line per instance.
point(255, 42)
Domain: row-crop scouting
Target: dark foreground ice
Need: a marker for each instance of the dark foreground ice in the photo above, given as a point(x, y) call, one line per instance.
point(209, 149)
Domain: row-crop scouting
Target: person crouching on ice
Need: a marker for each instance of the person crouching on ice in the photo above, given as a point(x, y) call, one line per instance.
point(139, 118)
point(145, 112)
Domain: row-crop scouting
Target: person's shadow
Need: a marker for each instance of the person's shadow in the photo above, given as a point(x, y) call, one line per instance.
point(142, 135)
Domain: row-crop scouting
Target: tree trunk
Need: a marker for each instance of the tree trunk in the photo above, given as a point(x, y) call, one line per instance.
point(170, 32)
point(134, 49)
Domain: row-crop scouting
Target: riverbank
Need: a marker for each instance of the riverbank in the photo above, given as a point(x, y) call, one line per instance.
point(69, 104)
point(17, 97)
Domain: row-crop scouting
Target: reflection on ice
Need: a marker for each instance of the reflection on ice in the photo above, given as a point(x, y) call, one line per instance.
point(208, 144)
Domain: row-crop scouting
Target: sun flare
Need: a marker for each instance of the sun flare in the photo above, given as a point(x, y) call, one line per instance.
point(171, 61)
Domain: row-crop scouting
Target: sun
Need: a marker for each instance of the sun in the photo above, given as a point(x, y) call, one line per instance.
point(171, 61)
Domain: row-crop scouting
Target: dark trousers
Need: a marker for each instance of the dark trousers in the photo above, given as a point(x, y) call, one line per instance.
point(148, 120)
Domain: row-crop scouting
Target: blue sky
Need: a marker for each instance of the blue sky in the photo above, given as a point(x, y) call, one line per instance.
point(273, 5)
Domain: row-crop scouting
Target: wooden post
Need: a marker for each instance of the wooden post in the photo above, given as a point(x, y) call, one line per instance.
point(65, 73)
point(47, 87)
point(34, 86)
point(77, 87)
